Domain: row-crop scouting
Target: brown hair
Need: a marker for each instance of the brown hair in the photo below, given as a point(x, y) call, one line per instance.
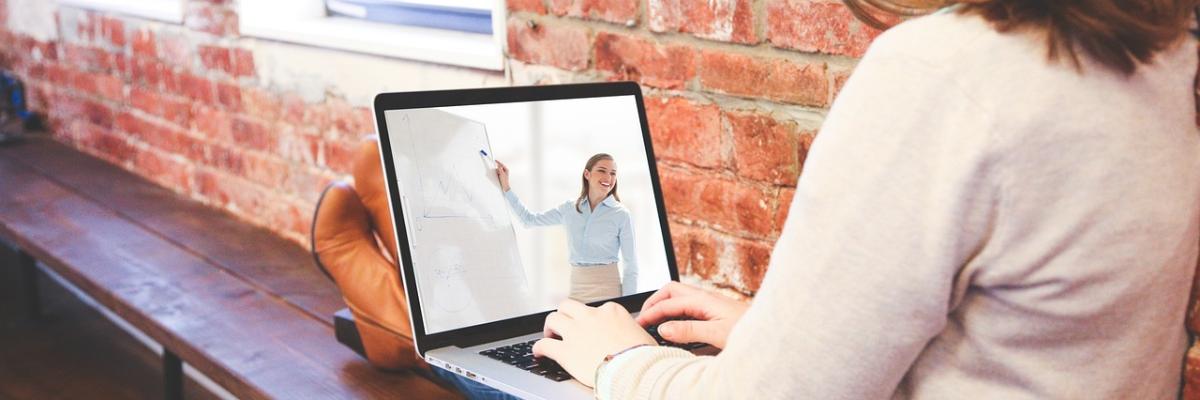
point(591, 162)
point(1119, 34)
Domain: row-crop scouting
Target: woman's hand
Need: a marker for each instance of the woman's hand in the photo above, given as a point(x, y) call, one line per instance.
point(502, 174)
point(712, 316)
point(587, 336)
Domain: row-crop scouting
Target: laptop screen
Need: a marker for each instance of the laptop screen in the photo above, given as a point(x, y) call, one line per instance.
point(480, 254)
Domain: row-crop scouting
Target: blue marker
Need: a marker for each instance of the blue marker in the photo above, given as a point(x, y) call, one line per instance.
point(484, 156)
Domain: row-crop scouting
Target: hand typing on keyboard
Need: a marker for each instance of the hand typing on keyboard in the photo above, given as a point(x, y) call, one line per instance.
point(588, 335)
point(685, 314)
point(579, 337)
point(520, 355)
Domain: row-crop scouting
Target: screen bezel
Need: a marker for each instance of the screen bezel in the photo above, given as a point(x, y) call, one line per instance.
point(523, 325)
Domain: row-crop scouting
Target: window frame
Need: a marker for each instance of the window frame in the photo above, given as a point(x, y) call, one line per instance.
point(161, 10)
point(306, 22)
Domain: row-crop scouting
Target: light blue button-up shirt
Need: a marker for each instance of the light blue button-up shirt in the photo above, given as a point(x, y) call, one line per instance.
point(593, 236)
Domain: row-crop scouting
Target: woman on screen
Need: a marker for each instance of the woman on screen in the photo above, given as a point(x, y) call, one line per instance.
point(598, 227)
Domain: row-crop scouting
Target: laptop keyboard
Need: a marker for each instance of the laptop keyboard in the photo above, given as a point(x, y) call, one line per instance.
point(520, 355)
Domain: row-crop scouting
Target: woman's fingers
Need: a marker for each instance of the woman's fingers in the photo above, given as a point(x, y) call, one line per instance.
point(671, 289)
point(713, 333)
point(548, 347)
point(573, 308)
point(557, 325)
point(691, 307)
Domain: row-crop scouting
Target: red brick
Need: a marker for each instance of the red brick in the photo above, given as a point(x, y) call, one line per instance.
point(733, 207)
point(210, 185)
point(242, 197)
point(265, 169)
point(722, 203)
point(623, 12)
point(560, 45)
point(90, 58)
point(754, 208)
point(765, 149)
point(259, 103)
point(770, 78)
point(753, 258)
point(162, 137)
point(104, 86)
point(87, 25)
point(172, 109)
point(216, 20)
point(685, 131)
point(533, 6)
point(110, 145)
point(226, 159)
point(59, 75)
point(806, 141)
point(339, 154)
point(839, 81)
point(164, 169)
point(253, 134)
point(176, 49)
point(213, 124)
point(696, 251)
point(144, 44)
point(229, 96)
point(243, 62)
point(824, 26)
point(196, 88)
point(342, 119)
point(632, 58)
point(300, 147)
point(294, 110)
point(681, 246)
point(725, 20)
point(49, 51)
point(215, 58)
point(113, 31)
point(784, 206)
point(148, 72)
point(97, 113)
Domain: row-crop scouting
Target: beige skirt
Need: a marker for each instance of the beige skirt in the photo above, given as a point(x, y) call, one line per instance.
point(595, 283)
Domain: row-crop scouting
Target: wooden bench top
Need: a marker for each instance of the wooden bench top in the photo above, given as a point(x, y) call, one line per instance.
point(242, 306)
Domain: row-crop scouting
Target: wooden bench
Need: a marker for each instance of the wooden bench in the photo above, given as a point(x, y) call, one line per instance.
point(235, 302)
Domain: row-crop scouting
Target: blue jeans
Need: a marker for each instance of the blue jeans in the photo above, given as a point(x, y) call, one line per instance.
point(473, 390)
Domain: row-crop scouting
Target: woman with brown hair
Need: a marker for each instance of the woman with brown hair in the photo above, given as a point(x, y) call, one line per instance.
point(599, 228)
point(1004, 201)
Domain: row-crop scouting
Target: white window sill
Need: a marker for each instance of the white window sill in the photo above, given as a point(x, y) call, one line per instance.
point(162, 10)
point(415, 43)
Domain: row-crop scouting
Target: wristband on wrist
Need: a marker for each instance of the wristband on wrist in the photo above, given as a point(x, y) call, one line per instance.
point(596, 380)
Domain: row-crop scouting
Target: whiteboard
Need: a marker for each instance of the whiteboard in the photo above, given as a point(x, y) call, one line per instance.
point(464, 249)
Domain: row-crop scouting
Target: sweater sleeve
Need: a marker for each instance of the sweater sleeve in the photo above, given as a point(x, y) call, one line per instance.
point(897, 194)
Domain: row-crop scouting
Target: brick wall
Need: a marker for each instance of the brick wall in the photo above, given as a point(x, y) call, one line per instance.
point(735, 91)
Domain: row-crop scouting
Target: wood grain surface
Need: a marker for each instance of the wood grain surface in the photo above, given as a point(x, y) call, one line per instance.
point(240, 305)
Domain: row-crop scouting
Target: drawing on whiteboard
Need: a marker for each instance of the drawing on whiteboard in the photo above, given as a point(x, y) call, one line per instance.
point(468, 262)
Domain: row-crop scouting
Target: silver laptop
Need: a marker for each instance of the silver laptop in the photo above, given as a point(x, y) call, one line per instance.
point(482, 268)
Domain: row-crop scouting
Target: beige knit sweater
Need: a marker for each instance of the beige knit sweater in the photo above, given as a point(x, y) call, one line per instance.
point(972, 222)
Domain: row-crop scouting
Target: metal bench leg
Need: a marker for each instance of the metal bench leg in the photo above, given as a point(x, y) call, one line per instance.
point(29, 280)
point(172, 376)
